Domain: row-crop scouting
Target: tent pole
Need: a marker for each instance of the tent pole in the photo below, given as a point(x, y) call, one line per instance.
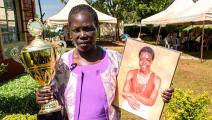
point(99, 35)
point(158, 36)
point(41, 13)
point(117, 31)
point(203, 31)
point(139, 34)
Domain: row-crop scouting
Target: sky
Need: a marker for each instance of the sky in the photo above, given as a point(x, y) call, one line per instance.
point(50, 7)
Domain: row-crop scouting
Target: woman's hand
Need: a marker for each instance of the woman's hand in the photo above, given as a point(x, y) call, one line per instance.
point(167, 94)
point(43, 95)
point(134, 104)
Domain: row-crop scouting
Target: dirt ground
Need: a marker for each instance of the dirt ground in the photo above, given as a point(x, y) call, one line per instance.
point(116, 45)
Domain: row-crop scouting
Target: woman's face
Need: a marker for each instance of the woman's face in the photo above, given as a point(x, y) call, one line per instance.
point(145, 61)
point(83, 31)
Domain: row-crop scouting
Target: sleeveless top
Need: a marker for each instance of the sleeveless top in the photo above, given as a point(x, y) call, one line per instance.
point(91, 101)
point(142, 89)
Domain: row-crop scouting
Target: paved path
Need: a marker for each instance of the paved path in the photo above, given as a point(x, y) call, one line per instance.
point(189, 57)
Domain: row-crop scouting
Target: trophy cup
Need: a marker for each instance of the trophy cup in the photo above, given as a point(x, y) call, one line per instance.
point(39, 59)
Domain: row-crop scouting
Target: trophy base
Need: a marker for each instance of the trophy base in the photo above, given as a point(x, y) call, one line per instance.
point(51, 106)
point(50, 116)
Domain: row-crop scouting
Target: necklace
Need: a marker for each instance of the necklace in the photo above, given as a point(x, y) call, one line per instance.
point(142, 81)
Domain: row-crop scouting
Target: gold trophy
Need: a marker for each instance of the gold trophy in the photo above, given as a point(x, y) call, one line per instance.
point(39, 59)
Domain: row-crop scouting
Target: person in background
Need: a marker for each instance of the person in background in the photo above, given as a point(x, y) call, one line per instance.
point(85, 79)
point(65, 33)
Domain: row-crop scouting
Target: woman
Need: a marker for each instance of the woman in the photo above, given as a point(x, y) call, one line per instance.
point(85, 80)
point(141, 86)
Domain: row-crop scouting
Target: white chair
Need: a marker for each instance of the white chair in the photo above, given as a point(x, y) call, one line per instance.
point(167, 45)
point(176, 44)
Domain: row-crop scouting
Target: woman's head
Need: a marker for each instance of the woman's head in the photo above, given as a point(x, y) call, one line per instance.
point(84, 8)
point(83, 25)
point(148, 50)
point(146, 56)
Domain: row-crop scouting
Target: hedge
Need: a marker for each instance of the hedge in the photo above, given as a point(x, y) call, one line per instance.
point(2, 68)
point(187, 106)
point(20, 117)
point(18, 96)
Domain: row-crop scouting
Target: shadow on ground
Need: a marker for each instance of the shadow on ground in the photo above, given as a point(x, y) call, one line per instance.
point(102, 43)
point(110, 43)
point(206, 54)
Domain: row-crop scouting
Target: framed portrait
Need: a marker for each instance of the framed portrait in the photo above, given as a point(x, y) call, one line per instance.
point(145, 72)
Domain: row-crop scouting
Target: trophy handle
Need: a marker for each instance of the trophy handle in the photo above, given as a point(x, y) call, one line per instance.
point(15, 54)
point(62, 49)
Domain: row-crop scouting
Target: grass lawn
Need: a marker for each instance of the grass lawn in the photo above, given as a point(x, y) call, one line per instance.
point(194, 75)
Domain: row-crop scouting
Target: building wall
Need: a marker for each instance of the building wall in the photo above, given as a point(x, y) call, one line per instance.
point(28, 13)
point(25, 10)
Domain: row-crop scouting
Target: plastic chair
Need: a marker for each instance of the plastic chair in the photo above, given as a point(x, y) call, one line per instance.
point(124, 37)
point(167, 45)
point(176, 45)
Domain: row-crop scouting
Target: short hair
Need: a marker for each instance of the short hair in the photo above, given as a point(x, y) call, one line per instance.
point(87, 9)
point(148, 50)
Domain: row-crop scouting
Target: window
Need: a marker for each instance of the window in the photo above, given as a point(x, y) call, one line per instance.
point(9, 29)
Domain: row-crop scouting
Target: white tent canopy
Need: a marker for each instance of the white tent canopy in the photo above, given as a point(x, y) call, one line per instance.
point(201, 11)
point(178, 6)
point(62, 16)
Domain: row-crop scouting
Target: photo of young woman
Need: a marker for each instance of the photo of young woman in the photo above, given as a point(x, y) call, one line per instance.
point(141, 86)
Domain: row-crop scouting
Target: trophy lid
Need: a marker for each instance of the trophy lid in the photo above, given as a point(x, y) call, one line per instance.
point(35, 28)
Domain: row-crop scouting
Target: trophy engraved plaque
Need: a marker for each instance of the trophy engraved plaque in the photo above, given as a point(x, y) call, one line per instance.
point(39, 59)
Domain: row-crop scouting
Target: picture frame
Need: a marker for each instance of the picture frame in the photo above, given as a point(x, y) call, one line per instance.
point(145, 72)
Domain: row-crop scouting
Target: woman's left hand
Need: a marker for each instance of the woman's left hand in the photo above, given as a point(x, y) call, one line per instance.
point(167, 94)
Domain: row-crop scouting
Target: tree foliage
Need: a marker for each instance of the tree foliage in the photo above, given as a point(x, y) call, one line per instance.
point(63, 1)
point(2, 68)
point(150, 7)
point(130, 11)
point(187, 106)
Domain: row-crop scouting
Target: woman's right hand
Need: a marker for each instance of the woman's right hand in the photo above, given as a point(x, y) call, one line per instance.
point(133, 102)
point(43, 95)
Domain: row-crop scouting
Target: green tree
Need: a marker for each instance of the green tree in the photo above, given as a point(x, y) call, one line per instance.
point(64, 1)
point(149, 7)
point(121, 9)
point(130, 11)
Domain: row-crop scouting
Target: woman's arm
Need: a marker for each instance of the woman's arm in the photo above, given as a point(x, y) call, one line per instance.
point(127, 83)
point(151, 100)
point(126, 92)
